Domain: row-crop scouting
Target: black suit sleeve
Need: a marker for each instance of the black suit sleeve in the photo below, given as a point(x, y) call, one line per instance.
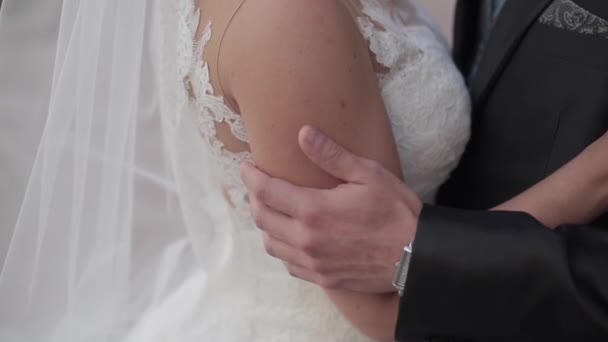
point(501, 276)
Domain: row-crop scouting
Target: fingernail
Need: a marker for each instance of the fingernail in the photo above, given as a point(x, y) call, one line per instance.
point(315, 139)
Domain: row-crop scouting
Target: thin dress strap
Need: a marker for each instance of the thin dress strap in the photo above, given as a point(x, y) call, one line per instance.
point(219, 50)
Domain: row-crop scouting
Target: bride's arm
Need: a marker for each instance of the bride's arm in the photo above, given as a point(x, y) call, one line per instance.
point(575, 194)
point(287, 63)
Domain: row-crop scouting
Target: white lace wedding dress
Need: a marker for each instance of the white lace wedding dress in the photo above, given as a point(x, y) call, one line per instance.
point(250, 296)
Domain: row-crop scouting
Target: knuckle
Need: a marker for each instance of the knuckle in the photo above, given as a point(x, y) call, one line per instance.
point(311, 219)
point(309, 245)
point(319, 267)
point(308, 263)
point(261, 192)
point(311, 215)
point(336, 285)
point(328, 282)
point(330, 151)
point(375, 168)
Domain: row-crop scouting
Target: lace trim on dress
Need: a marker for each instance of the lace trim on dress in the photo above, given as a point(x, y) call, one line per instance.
point(212, 110)
point(388, 37)
point(566, 14)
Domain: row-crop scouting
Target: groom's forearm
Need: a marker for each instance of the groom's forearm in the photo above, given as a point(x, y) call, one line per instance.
point(503, 276)
point(576, 193)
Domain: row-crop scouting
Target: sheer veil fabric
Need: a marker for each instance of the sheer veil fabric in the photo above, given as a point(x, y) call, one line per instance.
point(22, 109)
point(101, 237)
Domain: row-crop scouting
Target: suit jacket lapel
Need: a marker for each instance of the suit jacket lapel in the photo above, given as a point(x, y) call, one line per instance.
point(515, 19)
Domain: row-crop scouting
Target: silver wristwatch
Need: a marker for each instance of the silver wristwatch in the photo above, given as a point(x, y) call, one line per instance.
point(402, 267)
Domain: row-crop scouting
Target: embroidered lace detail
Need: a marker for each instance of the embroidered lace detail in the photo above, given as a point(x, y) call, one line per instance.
point(210, 110)
point(566, 14)
point(176, 62)
point(388, 36)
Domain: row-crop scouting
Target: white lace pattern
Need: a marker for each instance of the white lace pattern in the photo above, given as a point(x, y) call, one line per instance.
point(211, 109)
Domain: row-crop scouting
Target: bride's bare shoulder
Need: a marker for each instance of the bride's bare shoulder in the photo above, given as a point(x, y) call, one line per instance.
point(302, 11)
point(266, 32)
point(274, 21)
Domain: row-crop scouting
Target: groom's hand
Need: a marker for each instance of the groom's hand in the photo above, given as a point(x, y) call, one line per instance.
point(349, 237)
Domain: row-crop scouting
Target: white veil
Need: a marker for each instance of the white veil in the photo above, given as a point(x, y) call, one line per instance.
point(101, 236)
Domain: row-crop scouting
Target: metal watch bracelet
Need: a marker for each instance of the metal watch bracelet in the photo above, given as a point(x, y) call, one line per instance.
point(402, 268)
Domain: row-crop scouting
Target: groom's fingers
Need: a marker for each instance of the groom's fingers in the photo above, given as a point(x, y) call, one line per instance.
point(275, 193)
point(284, 252)
point(331, 157)
point(275, 224)
point(311, 276)
point(303, 273)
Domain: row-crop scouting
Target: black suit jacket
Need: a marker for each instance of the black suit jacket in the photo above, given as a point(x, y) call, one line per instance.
point(540, 97)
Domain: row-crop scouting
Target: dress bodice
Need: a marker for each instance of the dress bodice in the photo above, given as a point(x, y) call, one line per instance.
point(251, 297)
point(425, 97)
